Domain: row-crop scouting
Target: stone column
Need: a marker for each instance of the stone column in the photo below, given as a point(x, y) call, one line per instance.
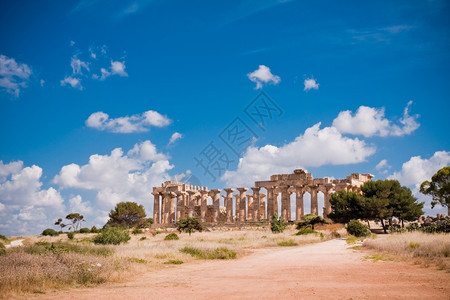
point(256, 207)
point(203, 204)
point(172, 207)
point(229, 204)
point(156, 197)
point(192, 201)
point(215, 194)
point(180, 205)
point(314, 203)
point(237, 206)
point(326, 201)
point(262, 206)
point(275, 202)
point(284, 202)
point(270, 203)
point(165, 208)
point(242, 196)
point(250, 213)
point(299, 204)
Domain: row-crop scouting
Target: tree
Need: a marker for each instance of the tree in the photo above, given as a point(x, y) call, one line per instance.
point(438, 188)
point(405, 206)
point(387, 198)
point(310, 220)
point(277, 225)
point(74, 218)
point(127, 214)
point(346, 206)
point(189, 224)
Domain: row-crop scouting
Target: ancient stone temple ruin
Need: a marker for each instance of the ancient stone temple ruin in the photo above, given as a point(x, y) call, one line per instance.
point(175, 200)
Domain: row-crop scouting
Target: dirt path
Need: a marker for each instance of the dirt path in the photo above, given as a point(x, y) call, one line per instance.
point(319, 271)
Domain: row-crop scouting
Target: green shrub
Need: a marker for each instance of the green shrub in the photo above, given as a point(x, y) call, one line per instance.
point(70, 235)
point(396, 229)
point(413, 227)
point(194, 252)
point(218, 253)
point(50, 232)
point(306, 231)
point(112, 236)
point(335, 235)
point(277, 225)
point(156, 232)
point(222, 253)
point(174, 262)
point(66, 247)
point(85, 230)
point(2, 237)
point(441, 226)
point(171, 236)
point(143, 238)
point(356, 228)
point(287, 243)
point(137, 231)
point(94, 230)
point(2, 249)
point(190, 225)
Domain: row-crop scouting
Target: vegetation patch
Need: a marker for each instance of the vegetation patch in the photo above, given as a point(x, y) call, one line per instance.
point(289, 243)
point(173, 262)
point(137, 231)
point(171, 236)
point(112, 236)
point(4, 238)
point(218, 253)
point(277, 225)
point(352, 240)
point(357, 229)
point(143, 238)
point(137, 260)
point(50, 232)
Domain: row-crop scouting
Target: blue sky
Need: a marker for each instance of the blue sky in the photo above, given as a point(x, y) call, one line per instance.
point(101, 101)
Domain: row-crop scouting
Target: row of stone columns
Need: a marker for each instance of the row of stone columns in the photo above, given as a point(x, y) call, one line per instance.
point(252, 210)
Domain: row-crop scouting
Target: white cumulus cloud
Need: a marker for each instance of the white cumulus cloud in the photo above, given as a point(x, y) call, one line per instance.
point(13, 76)
point(117, 68)
point(118, 176)
point(417, 169)
point(263, 75)
point(370, 121)
point(24, 205)
point(73, 82)
point(128, 124)
point(315, 147)
point(175, 136)
point(310, 84)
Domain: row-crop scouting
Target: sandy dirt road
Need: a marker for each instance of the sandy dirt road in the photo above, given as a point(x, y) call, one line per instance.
point(318, 271)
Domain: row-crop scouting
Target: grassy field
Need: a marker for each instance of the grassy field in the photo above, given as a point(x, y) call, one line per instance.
point(422, 248)
point(46, 263)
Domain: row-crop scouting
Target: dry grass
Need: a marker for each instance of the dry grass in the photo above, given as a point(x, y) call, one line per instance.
point(33, 269)
point(421, 247)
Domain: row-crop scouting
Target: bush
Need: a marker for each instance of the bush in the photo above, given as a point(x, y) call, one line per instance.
point(50, 232)
point(222, 253)
point(413, 227)
point(143, 238)
point(156, 232)
point(112, 236)
point(85, 230)
point(335, 235)
point(2, 237)
point(2, 249)
point(306, 231)
point(94, 230)
point(174, 262)
point(137, 231)
point(287, 243)
point(195, 252)
point(440, 226)
point(171, 236)
point(71, 235)
point(396, 229)
point(190, 224)
point(277, 225)
point(354, 227)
